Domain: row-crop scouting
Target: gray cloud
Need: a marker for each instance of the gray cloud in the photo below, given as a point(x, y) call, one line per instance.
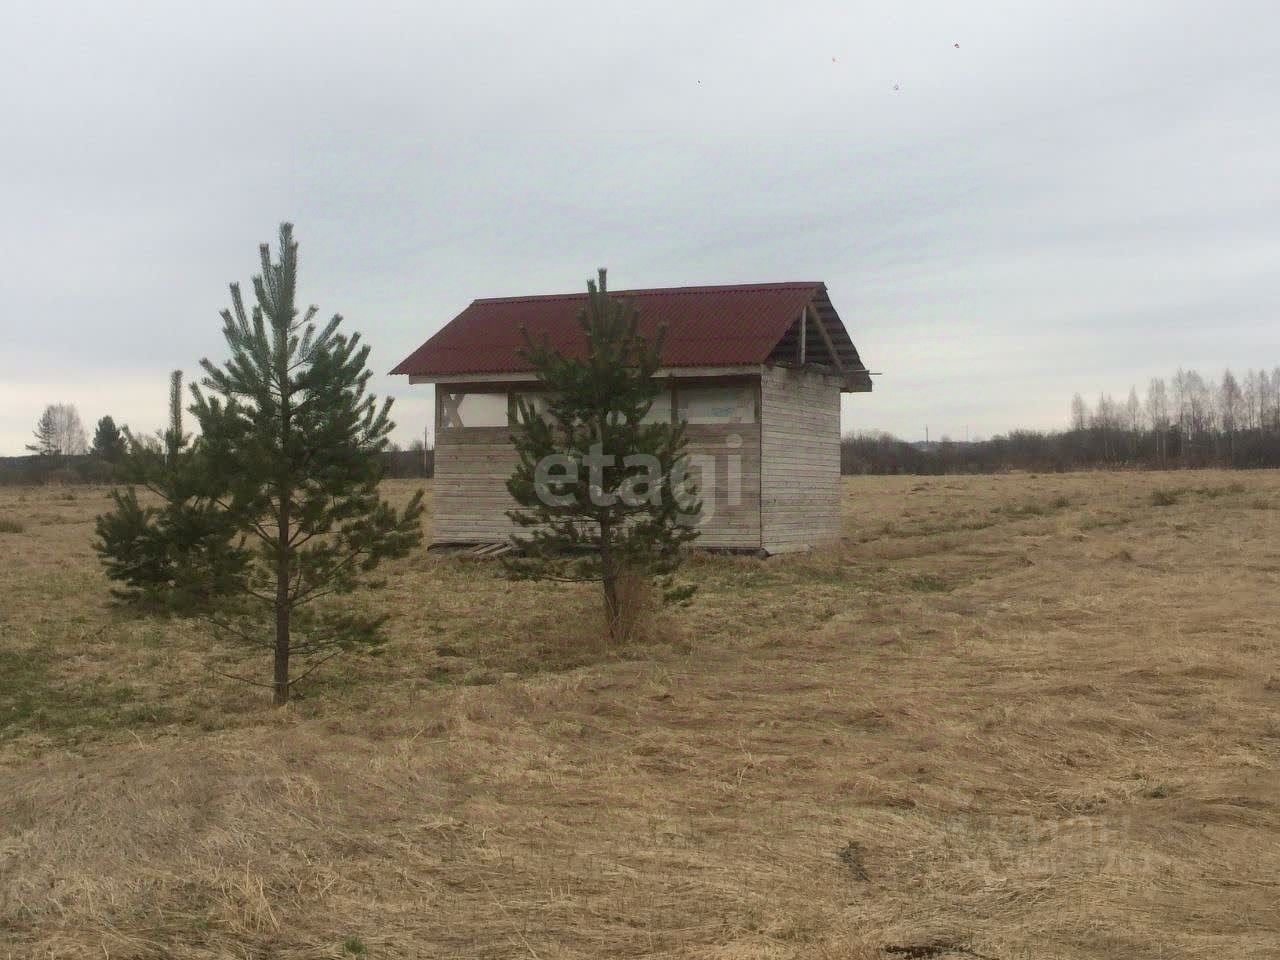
point(1077, 198)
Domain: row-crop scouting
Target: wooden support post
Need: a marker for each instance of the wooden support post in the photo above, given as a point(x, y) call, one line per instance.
point(826, 339)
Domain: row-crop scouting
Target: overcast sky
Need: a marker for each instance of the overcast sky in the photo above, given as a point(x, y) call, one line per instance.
point(1079, 196)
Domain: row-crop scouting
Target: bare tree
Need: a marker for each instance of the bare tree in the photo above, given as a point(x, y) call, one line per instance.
point(1252, 389)
point(1264, 401)
point(1181, 406)
point(1213, 420)
point(1231, 409)
point(59, 432)
point(1079, 414)
point(1158, 416)
point(1199, 411)
point(1106, 420)
point(1133, 420)
point(1275, 399)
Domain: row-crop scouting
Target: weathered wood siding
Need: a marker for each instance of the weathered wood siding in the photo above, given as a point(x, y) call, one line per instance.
point(473, 464)
point(730, 453)
point(799, 459)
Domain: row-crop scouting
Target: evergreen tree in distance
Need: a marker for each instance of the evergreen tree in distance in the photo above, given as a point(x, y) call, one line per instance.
point(293, 440)
point(108, 441)
point(600, 491)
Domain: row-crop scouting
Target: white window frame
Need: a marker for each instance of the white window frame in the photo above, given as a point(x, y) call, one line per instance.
point(738, 402)
point(453, 412)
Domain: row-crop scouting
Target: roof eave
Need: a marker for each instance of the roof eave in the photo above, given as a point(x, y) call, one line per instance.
point(856, 382)
point(528, 376)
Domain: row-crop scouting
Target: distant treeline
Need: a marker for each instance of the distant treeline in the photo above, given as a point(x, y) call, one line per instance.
point(1187, 422)
point(86, 468)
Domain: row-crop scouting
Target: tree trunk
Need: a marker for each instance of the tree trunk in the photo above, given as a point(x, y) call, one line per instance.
point(609, 579)
point(611, 605)
point(284, 491)
point(281, 680)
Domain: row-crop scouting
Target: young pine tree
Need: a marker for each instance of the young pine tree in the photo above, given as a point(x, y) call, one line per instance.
point(293, 440)
point(601, 492)
point(184, 554)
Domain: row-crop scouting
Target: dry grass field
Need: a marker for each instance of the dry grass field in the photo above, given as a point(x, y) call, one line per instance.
point(1008, 717)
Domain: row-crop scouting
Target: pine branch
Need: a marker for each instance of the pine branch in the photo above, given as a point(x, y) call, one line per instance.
point(313, 668)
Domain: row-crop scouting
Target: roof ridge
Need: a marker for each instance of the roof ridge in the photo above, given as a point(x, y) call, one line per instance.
point(662, 291)
point(709, 325)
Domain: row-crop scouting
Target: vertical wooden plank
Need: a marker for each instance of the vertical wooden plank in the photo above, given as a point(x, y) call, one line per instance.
point(799, 459)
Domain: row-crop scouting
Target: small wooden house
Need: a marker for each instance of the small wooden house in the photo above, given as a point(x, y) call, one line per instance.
point(756, 370)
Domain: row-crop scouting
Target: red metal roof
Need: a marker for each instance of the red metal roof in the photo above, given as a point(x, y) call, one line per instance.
point(706, 327)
